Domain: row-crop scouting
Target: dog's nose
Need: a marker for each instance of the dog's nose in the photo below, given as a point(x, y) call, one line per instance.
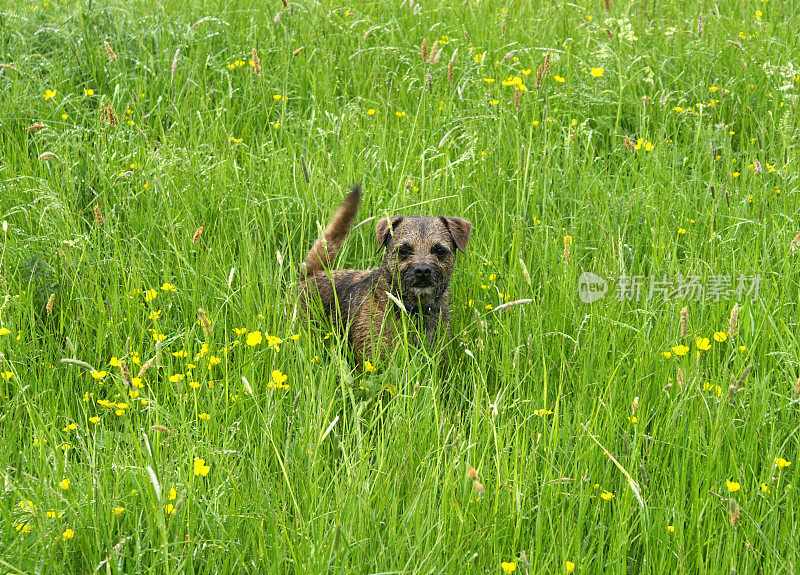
point(423, 273)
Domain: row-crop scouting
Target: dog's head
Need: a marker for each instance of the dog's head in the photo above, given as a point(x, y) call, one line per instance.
point(421, 254)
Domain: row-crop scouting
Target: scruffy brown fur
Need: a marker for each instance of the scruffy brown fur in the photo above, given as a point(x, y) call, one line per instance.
point(416, 269)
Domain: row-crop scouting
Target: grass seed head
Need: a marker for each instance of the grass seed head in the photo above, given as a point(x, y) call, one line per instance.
point(539, 77)
point(175, 58)
point(204, 320)
point(516, 97)
point(424, 50)
point(795, 245)
point(256, 63)
point(297, 52)
point(112, 57)
point(98, 216)
point(126, 374)
point(50, 301)
point(433, 51)
point(145, 366)
point(684, 321)
point(733, 322)
point(451, 70)
point(734, 512)
point(680, 377)
point(796, 394)
point(547, 64)
point(197, 234)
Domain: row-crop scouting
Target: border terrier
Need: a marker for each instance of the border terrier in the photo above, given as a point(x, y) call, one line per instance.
point(415, 272)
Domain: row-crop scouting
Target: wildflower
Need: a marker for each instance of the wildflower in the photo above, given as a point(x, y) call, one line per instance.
point(172, 495)
point(703, 343)
point(88, 92)
point(764, 488)
point(194, 384)
point(680, 349)
point(118, 511)
point(712, 89)
point(371, 112)
point(681, 231)
point(508, 568)
point(570, 566)
point(677, 109)
point(240, 330)
point(200, 467)
point(64, 484)
point(99, 374)
point(177, 377)
point(181, 353)
point(24, 528)
point(558, 79)
point(488, 80)
point(273, 341)
point(70, 427)
point(667, 354)
point(720, 336)
point(277, 97)
point(295, 337)
point(671, 528)
point(597, 72)
point(648, 146)
point(236, 140)
point(733, 486)
point(114, 362)
point(279, 378)
point(204, 416)
point(150, 295)
point(400, 114)
point(68, 534)
point(759, 14)
point(607, 496)
point(159, 336)
point(7, 375)
point(214, 360)
point(736, 174)
point(49, 94)
point(169, 509)
point(478, 58)
point(780, 462)
point(368, 367)
point(168, 287)
point(94, 419)
point(742, 348)
point(254, 338)
point(4, 331)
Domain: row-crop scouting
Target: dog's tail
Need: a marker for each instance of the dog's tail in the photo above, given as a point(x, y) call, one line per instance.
point(326, 247)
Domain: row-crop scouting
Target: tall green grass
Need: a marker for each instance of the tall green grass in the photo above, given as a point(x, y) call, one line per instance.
point(680, 159)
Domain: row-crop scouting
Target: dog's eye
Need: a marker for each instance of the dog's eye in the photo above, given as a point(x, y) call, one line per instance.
point(439, 251)
point(404, 251)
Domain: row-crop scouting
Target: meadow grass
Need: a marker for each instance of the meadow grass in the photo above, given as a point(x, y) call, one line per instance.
point(548, 437)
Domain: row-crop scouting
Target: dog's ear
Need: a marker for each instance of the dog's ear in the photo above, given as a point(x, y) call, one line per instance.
point(459, 229)
point(384, 229)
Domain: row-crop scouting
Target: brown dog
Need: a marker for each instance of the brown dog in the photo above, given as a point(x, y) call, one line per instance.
point(420, 258)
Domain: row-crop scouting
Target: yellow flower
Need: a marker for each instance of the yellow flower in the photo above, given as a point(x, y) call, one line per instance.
point(736, 174)
point(94, 419)
point(759, 14)
point(277, 97)
point(24, 528)
point(204, 416)
point(154, 315)
point(114, 362)
point(68, 534)
point(118, 511)
point(49, 94)
point(678, 109)
point(508, 568)
point(488, 80)
point(7, 375)
point(181, 353)
point(159, 336)
point(194, 384)
point(733, 486)
point(526, 72)
point(99, 374)
point(368, 367)
point(597, 72)
point(494, 102)
point(236, 140)
point(648, 146)
point(172, 495)
point(720, 336)
point(681, 231)
point(607, 496)
point(64, 484)
point(150, 295)
point(764, 488)
point(169, 509)
point(558, 79)
point(254, 338)
point(279, 378)
point(295, 337)
point(276, 125)
point(273, 341)
point(671, 528)
point(478, 58)
point(168, 287)
point(570, 566)
point(371, 112)
point(200, 467)
point(64, 116)
point(4, 331)
point(667, 354)
point(712, 89)
point(214, 360)
point(703, 343)
point(176, 378)
point(240, 330)
point(88, 92)
point(781, 462)
point(399, 114)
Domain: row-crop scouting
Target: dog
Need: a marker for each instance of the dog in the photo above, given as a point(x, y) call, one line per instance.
point(413, 278)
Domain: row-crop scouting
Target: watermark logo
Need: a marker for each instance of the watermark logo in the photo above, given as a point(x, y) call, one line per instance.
point(715, 287)
point(591, 287)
